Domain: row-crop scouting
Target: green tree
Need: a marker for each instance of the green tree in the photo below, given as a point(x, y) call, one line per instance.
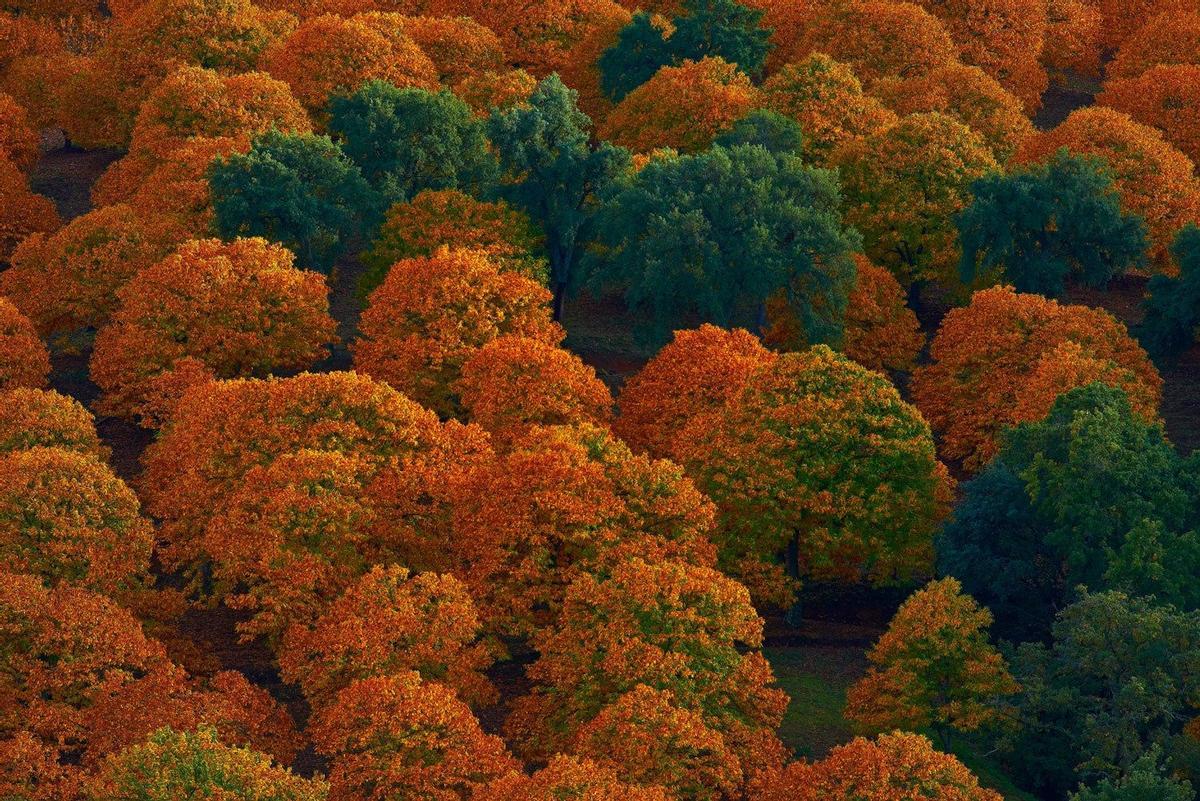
point(1145, 781)
point(299, 190)
point(1173, 303)
point(1049, 221)
point(768, 129)
point(408, 140)
point(550, 170)
point(640, 51)
point(709, 237)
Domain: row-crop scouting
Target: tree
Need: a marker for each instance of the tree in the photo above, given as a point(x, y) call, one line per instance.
point(670, 626)
point(1072, 41)
point(514, 383)
point(331, 56)
point(459, 47)
point(390, 622)
point(819, 458)
point(398, 737)
point(903, 187)
point(684, 107)
point(642, 48)
point(677, 237)
point(1169, 37)
point(24, 212)
point(454, 302)
point(24, 360)
point(564, 502)
point(30, 770)
point(1153, 179)
point(826, 98)
point(210, 309)
point(1093, 495)
point(690, 378)
point(1172, 305)
point(69, 280)
point(18, 139)
point(767, 129)
point(933, 667)
point(36, 417)
point(1121, 21)
point(449, 218)
point(1165, 97)
point(882, 333)
point(893, 767)
point(298, 190)
point(567, 777)
point(550, 171)
point(503, 90)
point(1145, 781)
point(984, 354)
point(1039, 225)
point(408, 140)
point(196, 765)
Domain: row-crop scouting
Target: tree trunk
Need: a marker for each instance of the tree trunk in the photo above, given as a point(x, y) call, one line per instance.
point(560, 300)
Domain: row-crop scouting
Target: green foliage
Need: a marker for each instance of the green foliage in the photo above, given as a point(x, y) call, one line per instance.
point(299, 190)
point(1173, 304)
point(709, 237)
point(1145, 781)
point(550, 171)
point(1047, 222)
point(720, 28)
point(1092, 495)
point(768, 129)
point(408, 140)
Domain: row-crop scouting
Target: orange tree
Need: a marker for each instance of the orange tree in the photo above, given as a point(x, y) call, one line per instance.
point(30, 770)
point(399, 737)
point(458, 46)
point(23, 212)
point(691, 376)
point(1172, 37)
point(674, 627)
point(514, 383)
point(984, 355)
point(24, 360)
point(568, 777)
point(826, 98)
point(933, 667)
point(500, 90)
point(1154, 179)
point(433, 312)
point(819, 458)
point(18, 139)
point(1166, 97)
point(565, 501)
point(1122, 19)
point(33, 417)
point(1072, 43)
point(69, 279)
point(903, 187)
point(224, 310)
point(391, 622)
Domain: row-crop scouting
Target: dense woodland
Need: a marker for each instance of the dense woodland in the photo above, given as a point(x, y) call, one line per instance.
point(599, 400)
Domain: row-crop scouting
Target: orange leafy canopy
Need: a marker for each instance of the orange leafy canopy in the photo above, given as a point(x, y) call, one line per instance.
point(23, 212)
point(1166, 97)
point(33, 417)
point(18, 139)
point(1002, 358)
point(489, 90)
point(568, 777)
point(24, 360)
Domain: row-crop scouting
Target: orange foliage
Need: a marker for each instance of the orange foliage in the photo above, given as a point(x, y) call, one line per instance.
point(968, 94)
point(387, 623)
point(879, 38)
point(580, 71)
point(433, 312)
point(1166, 97)
point(24, 360)
point(568, 777)
point(458, 46)
point(18, 140)
point(787, 20)
point(489, 90)
point(398, 737)
point(826, 98)
point(33, 417)
point(65, 517)
point(894, 767)
point(692, 376)
point(1153, 178)
point(239, 309)
point(684, 107)
point(31, 771)
point(70, 279)
point(882, 333)
point(306, 9)
point(566, 501)
point(330, 56)
point(1172, 37)
point(1122, 19)
point(514, 383)
point(985, 354)
point(22, 212)
point(1073, 33)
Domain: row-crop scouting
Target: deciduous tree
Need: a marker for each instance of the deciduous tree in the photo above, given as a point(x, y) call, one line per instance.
point(18, 139)
point(24, 360)
point(23, 212)
point(567, 777)
point(459, 47)
point(1171, 37)
point(36, 417)
point(882, 333)
point(1166, 97)
point(1172, 305)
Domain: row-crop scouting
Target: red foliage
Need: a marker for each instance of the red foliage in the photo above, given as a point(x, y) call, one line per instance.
point(24, 360)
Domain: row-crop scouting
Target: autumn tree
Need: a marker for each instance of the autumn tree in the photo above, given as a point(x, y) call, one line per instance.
point(299, 190)
point(449, 218)
point(1165, 97)
point(69, 280)
point(893, 767)
point(209, 309)
point(196, 764)
point(779, 471)
point(881, 332)
point(1040, 225)
point(1153, 179)
point(1172, 305)
point(1092, 495)
point(550, 170)
point(826, 98)
point(23, 213)
point(566, 501)
point(984, 353)
point(503, 90)
point(30, 770)
point(390, 622)
point(1072, 42)
point(454, 302)
point(396, 736)
point(689, 217)
point(933, 667)
point(566, 777)
point(37, 417)
point(673, 627)
point(18, 139)
point(903, 187)
point(24, 360)
point(514, 383)
point(408, 140)
point(1170, 37)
